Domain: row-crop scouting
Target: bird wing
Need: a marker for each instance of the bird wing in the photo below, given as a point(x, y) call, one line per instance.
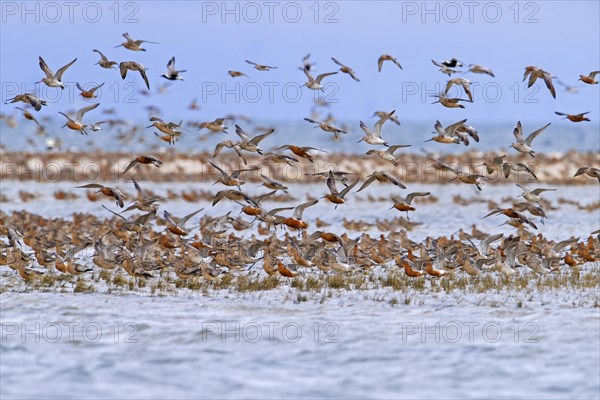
point(258, 138)
point(367, 183)
point(394, 180)
point(61, 71)
point(171, 64)
point(82, 111)
point(331, 183)
point(321, 76)
point(90, 186)
point(380, 62)
point(540, 190)
point(46, 69)
point(215, 166)
point(518, 132)
point(409, 198)
point(300, 209)
point(549, 85)
point(123, 67)
point(102, 56)
point(534, 134)
point(348, 188)
point(379, 124)
point(240, 132)
point(144, 76)
point(451, 128)
point(337, 62)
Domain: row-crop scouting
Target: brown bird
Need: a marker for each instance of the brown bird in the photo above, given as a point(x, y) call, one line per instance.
point(134, 66)
point(534, 73)
point(589, 171)
point(144, 159)
point(107, 191)
point(386, 57)
point(334, 196)
point(104, 61)
point(574, 117)
point(347, 70)
point(295, 221)
point(236, 74)
point(89, 94)
point(589, 79)
point(134, 45)
point(404, 204)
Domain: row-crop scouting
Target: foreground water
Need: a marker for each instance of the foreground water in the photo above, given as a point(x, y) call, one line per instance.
point(376, 343)
point(266, 346)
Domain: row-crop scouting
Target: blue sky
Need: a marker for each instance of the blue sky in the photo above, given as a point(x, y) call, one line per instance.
point(560, 36)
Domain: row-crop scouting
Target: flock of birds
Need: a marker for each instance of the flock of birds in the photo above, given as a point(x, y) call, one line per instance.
point(143, 244)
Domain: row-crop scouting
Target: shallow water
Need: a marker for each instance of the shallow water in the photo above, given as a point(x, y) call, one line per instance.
point(232, 346)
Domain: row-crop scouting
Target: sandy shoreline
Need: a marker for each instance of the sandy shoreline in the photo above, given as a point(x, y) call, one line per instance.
point(182, 167)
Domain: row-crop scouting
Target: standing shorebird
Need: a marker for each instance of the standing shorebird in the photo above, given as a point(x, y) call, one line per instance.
point(315, 83)
point(523, 145)
point(345, 69)
point(386, 57)
point(134, 66)
point(104, 61)
point(590, 78)
point(260, 67)
point(172, 74)
point(52, 79)
point(76, 123)
point(405, 204)
point(374, 136)
point(574, 117)
point(131, 44)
